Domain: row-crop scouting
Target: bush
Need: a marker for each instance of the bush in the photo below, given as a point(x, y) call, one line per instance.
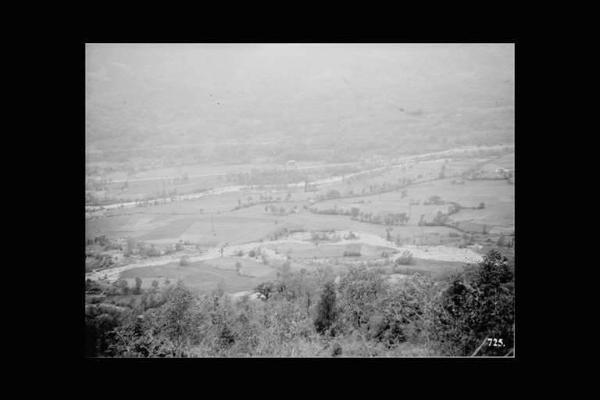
point(264, 259)
point(184, 261)
point(406, 258)
point(336, 350)
point(150, 251)
point(266, 289)
point(351, 236)
point(333, 194)
point(352, 250)
point(502, 242)
point(123, 286)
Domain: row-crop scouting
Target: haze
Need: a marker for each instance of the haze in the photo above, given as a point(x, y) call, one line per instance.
point(271, 96)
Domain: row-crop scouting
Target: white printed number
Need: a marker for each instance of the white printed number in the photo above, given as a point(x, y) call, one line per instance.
point(495, 342)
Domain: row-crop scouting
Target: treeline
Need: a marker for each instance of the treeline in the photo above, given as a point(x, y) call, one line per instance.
point(308, 314)
point(366, 191)
point(267, 177)
point(284, 176)
point(388, 219)
point(262, 199)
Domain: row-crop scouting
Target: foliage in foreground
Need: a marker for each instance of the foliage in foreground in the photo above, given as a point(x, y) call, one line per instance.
point(302, 314)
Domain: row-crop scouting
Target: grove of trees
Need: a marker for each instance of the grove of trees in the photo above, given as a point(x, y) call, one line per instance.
point(316, 313)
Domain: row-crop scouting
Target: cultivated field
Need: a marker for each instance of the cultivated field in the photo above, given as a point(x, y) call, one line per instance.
point(283, 224)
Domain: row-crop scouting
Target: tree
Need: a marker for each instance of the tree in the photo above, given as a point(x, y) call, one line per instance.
point(406, 258)
point(358, 291)
point(501, 241)
point(131, 244)
point(266, 289)
point(326, 310)
point(138, 285)
point(124, 286)
point(478, 304)
point(333, 194)
point(221, 288)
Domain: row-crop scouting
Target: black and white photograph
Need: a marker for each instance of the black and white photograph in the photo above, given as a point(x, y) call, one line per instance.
point(299, 200)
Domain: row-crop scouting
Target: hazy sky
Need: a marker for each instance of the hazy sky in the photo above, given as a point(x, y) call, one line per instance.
point(149, 86)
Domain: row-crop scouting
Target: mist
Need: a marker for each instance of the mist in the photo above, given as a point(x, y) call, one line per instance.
point(309, 93)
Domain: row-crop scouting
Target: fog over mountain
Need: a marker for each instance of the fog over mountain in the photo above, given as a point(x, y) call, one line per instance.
point(270, 97)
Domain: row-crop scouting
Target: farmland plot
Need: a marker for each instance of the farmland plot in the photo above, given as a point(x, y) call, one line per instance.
point(200, 276)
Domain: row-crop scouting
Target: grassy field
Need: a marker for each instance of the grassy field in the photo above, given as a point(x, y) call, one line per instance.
point(205, 276)
point(497, 195)
point(420, 170)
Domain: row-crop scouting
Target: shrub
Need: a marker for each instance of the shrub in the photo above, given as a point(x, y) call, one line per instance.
point(406, 258)
point(266, 289)
point(336, 350)
point(123, 286)
point(352, 250)
point(184, 261)
point(501, 241)
point(333, 194)
point(351, 236)
point(264, 259)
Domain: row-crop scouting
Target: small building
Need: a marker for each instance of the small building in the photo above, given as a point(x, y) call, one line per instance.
point(291, 164)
